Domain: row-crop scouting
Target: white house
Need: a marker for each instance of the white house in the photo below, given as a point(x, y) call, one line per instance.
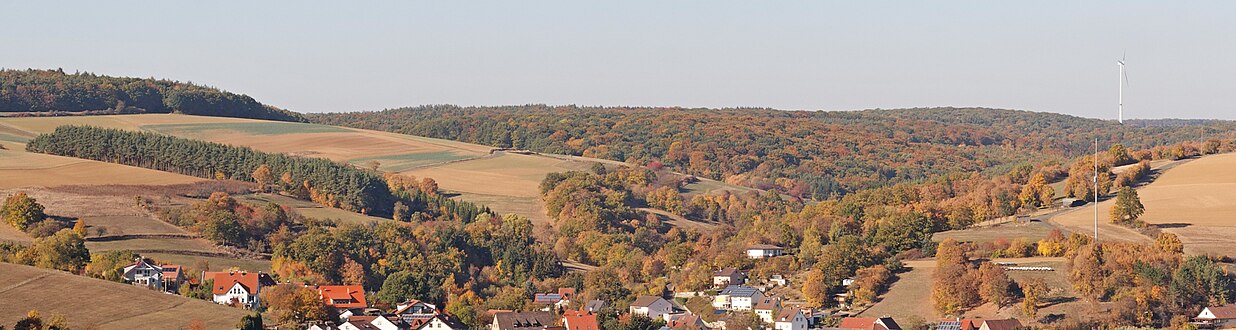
point(764, 251)
point(441, 322)
point(144, 273)
point(737, 297)
point(728, 276)
point(1218, 317)
point(790, 319)
point(238, 287)
point(371, 322)
point(651, 306)
point(764, 309)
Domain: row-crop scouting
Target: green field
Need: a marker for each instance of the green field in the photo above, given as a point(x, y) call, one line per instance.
point(254, 128)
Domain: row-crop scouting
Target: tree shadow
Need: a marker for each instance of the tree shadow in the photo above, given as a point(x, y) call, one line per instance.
point(1173, 225)
point(1058, 300)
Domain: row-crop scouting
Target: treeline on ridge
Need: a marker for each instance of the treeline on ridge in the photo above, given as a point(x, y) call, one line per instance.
point(46, 91)
point(806, 154)
point(320, 180)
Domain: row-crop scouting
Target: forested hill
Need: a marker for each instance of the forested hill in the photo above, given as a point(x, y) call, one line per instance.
point(43, 91)
point(802, 153)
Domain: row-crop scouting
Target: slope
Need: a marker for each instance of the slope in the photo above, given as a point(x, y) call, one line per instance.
point(25, 288)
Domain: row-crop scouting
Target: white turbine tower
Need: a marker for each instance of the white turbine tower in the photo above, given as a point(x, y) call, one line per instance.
point(1122, 80)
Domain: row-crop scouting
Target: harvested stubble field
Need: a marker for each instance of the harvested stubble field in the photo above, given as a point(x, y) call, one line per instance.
point(24, 288)
point(23, 169)
point(1194, 200)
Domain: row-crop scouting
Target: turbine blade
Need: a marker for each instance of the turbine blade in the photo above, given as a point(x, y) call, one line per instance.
point(1125, 73)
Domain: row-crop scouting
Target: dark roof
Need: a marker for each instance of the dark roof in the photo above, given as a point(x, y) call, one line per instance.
point(595, 305)
point(764, 247)
point(739, 291)
point(546, 298)
point(524, 320)
point(645, 301)
point(362, 322)
point(726, 272)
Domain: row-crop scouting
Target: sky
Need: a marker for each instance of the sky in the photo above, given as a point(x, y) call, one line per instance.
point(305, 56)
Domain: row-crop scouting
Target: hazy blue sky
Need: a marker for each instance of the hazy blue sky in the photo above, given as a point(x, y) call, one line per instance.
point(1056, 56)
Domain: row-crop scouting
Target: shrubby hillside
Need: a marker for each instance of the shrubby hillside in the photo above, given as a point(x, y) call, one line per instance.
point(43, 91)
point(801, 153)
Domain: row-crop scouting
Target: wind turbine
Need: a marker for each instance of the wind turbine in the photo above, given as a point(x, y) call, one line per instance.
point(1122, 80)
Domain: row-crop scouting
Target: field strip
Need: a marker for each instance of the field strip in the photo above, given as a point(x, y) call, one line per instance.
point(19, 284)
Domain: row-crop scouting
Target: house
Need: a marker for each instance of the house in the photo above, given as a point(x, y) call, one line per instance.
point(685, 322)
point(368, 322)
point(765, 307)
point(523, 321)
point(1006, 324)
point(727, 276)
point(764, 251)
point(790, 319)
point(651, 306)
point(439, 322)
point(595, 305)
point(342, 296)
point(737, 297)
point(967, 324)
point(173, 277)
point(322, 326)
point(868, 323)
point(238, 287)
point(144, 273)
point(778, 280)
point(1217, 317)
point(580, 320)
point(415, 311)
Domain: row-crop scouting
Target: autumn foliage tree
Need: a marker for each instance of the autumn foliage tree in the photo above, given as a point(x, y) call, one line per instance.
point(21, 210)
point(289, 304)
point(1128, 208)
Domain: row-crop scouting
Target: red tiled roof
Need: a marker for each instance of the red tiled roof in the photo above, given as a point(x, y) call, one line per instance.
point(354, 295)
point(868, 323)
point(580, 320)
point(566, 293)
point(226, 280)
point(683, 322)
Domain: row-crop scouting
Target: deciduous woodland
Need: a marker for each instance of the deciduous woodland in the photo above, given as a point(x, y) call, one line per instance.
point(45, 91)
point(801, 153)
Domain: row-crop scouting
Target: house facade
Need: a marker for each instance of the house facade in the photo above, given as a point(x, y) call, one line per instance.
point(737, 298)
point(238, 287)
point(790, 319)
point(764, 309)
point(759, 251)
point(144, 273)
point(651, 306)
point(727, 276)
point(373, 322)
